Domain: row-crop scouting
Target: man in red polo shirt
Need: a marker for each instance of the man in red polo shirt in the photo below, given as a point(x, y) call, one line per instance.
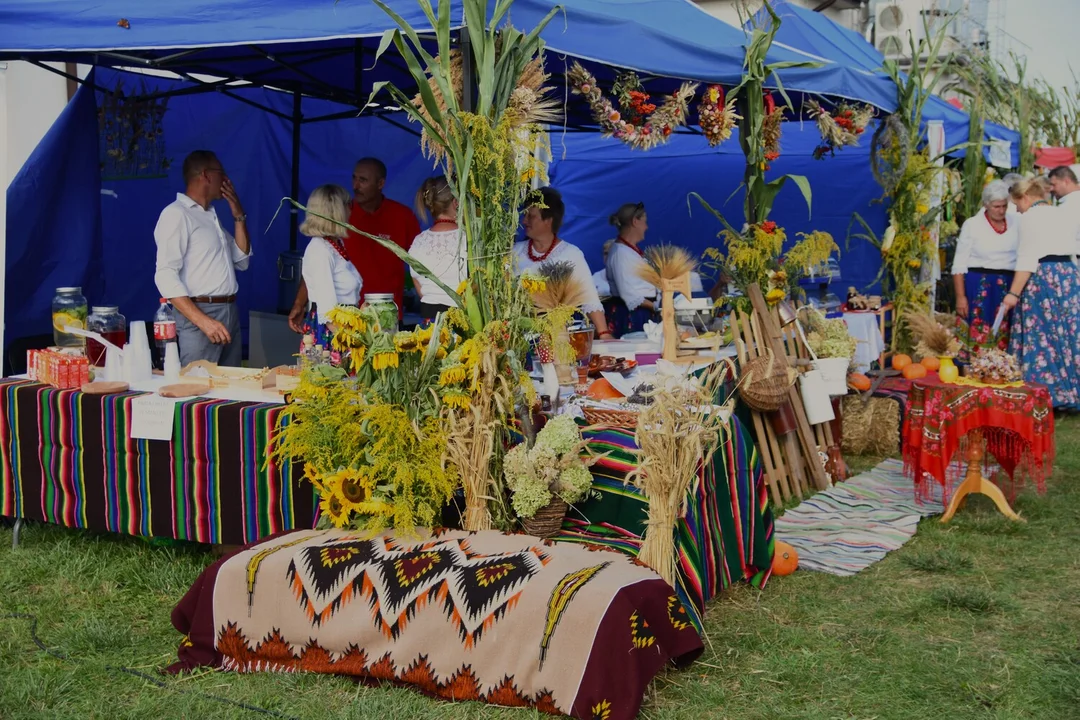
point(374, 213)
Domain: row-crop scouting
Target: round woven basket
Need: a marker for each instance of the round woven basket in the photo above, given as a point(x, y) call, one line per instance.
point(548, 520)
point(766, 382)
point(612, 418)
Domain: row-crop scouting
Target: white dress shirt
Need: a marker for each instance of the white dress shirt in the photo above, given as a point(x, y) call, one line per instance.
point(564, 252)
point(444, 254)
point(981, 246)
point(196, 256)
point(603, 287)
point(1071, 205)
point(1044, 230)
point(623, 265)
point(331, 279)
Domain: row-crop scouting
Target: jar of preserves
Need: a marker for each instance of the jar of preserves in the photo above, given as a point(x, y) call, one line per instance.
point(385, 308)
point(107, 322)
point(69, 309)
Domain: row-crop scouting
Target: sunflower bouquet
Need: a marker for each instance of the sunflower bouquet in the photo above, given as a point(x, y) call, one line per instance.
point(372, 431)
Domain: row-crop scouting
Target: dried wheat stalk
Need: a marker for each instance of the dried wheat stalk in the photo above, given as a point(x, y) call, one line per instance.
point(666, 262)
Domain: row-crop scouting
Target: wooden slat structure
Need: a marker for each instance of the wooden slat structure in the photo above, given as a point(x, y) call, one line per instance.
point(793, 467)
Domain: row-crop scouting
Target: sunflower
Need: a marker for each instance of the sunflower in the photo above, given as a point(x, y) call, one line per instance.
point(423, 335)
point(356, 357)
point(311, 474)
point(333, 507)
point(457, 319)
point(533, 283)
point(452, 375)
point(354, 488)
point(346, 316)
point(457, 399)
point(384, 360)
point(406, 341)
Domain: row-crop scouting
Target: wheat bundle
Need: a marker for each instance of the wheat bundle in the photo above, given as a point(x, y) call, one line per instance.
point(561, 287)
point(666, 262)
point(678, 432)
point(934, 338)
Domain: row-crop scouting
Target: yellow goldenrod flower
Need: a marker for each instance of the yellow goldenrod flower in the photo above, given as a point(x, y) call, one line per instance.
point(533, 283)
point(451, 375)
point(384, 360)
point(462, 285)
point(922, 209)
point(774, 296)
point(457, 319)
point(914, 263)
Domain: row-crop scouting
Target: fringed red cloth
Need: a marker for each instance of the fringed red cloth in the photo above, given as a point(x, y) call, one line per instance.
point(1017, 424)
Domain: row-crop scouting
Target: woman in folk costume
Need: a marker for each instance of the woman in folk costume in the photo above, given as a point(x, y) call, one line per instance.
point(1044, 297)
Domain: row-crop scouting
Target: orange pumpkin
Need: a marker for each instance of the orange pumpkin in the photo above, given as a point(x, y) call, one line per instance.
point(914, 371)
point(931, 363)
point(785, 559)
point(859, 382)
point(901, 361)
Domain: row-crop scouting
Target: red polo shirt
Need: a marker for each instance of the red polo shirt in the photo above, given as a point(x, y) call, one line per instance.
point(380, 269)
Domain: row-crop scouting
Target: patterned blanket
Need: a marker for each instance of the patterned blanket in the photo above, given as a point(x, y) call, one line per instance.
point(503, 619)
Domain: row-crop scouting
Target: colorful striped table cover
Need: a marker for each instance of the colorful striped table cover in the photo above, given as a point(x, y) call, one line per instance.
point(726, 535)
point(68, 458)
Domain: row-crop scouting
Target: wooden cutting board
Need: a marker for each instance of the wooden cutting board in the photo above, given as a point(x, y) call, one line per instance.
point(104, 387)
point(183, 390)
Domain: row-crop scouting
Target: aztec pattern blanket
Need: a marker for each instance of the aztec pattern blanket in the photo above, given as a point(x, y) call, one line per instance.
point(491, 617)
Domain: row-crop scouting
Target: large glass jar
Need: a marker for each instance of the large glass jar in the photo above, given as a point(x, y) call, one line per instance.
point(385, 307)
point(106, 321)
point(68, 309)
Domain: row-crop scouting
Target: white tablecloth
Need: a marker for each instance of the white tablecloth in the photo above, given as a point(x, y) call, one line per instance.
point(864, 328)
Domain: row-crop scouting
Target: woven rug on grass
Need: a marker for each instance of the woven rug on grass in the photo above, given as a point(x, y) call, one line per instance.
point(851, 526)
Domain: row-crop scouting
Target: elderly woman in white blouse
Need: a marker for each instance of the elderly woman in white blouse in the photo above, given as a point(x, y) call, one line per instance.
point(330, 276)
point(633, 301)
point(542, 244)
point(982, 269)
point(1045, 296)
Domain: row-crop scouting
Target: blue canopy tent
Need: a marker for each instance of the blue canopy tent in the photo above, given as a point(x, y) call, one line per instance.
point(812, 33)
point(323, 54)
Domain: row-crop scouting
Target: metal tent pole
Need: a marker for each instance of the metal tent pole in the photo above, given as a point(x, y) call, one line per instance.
point(294, 190)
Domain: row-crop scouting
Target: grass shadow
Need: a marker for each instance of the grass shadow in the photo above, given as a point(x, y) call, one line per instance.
point(937, 560)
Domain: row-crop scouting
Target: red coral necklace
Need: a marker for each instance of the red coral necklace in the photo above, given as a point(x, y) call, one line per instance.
point(1004, 225)
point(540, 257)
point(636, 249)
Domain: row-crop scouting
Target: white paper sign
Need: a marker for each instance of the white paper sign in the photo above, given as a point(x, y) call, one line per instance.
point(152, 418)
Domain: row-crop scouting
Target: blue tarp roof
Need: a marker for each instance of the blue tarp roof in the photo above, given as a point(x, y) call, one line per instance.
point(813, 33)
point(315, 43)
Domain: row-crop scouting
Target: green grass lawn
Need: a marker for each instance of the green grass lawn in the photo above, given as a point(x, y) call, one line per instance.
point(979, 618)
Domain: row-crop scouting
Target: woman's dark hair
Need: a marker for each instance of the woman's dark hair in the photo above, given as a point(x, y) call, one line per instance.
point(627, 214)
point(550, 204)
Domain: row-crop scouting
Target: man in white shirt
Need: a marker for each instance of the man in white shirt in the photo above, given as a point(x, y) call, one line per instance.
point(1064, 187)
point(197, 260)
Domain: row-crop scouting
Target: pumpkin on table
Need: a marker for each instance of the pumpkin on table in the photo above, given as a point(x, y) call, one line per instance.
point(859, 382)
point(914, 371)
point(931, 363)
point(901, 361)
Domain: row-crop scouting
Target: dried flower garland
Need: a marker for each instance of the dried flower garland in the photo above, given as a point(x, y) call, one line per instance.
point(717, 118)
point(839, 128)
point(638, 122)
point(770, 128)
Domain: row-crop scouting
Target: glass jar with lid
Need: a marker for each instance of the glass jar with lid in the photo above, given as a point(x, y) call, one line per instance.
point(69, 309)
point(385, 308)
point(106, 321)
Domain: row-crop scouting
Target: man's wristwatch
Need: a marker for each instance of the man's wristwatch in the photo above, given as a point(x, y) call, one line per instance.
point(240, 218)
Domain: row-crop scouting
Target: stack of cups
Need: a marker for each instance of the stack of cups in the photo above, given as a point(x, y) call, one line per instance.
point(142, 366)
point(172, 362)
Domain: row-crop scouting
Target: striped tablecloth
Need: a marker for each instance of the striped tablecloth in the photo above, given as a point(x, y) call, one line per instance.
point(68, 458)
point(725, 536)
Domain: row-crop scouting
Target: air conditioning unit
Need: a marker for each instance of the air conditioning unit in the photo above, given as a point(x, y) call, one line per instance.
point(892, 23)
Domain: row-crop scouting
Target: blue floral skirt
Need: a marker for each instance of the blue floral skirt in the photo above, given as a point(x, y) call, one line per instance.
point(1045, 332)
point(985, 292)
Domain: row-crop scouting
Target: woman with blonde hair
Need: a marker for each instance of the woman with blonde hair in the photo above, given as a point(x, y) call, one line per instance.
point(441, 249)
point(633, 299)
point(1045, 296)
point(330, 276)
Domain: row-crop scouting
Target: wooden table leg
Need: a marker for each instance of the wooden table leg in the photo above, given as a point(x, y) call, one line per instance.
point(974, 482)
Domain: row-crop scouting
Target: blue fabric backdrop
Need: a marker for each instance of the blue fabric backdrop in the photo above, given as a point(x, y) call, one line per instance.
point(105, 242)
point(54, 236)
point(596, 176)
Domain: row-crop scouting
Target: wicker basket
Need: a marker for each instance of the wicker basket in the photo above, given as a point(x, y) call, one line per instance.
point(548, 520)
point(766, 382)
point(612, 418)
